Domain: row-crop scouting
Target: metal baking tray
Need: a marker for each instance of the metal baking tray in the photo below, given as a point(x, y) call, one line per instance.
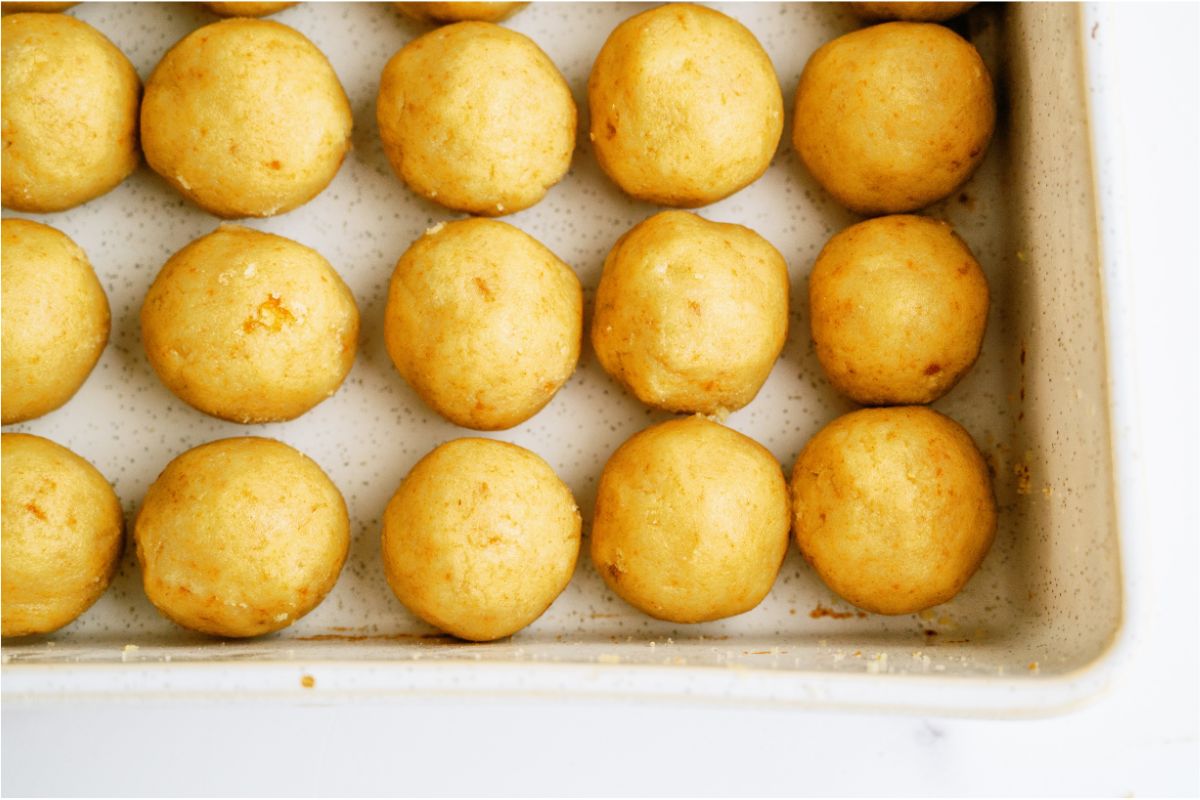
point(1030, 632)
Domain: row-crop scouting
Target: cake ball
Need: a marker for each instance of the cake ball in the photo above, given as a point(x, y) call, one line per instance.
point(483, 322)
point(442, 13)
point(246, 118)
point(70, 104)
point(898, 307)
point(477, 118)
point(894, 117)
point(241, 537)
point(62, 534)
point(893, 508)
point(480, 538)
point(911, 12)
point(246, 9)
point(691, 521)
point(249, 327)
point(55, 319)
point(690, 314)
point(18, 6)
point(685, 106)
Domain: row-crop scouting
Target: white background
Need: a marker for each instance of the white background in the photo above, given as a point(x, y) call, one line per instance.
point(1139, 738)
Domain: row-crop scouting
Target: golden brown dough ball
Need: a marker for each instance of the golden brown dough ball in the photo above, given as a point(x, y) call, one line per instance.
point(246, 118)
point(34, 7)
point(685, 106)
point(483, 322)
point(480, 538)
point(893, 508)
point(691, 521)
point(246, 9)
point(70, 104)
point(898, 307)
point(442, 13)
point(690, 314)
point(62, 531)
point(241, 537)
point(477, 118)
point(249, 327)
point(55, 319)
point(894, 117)
point(911, 12)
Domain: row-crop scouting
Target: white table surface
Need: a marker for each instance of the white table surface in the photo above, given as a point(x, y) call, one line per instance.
point(1140, 738)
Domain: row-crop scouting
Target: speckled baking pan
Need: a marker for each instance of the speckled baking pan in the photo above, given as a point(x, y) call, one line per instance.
point(1024, 634)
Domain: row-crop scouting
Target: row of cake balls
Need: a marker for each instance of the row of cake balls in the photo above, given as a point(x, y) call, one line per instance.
point(247, 118)
point(892, 507)
point(486, 324)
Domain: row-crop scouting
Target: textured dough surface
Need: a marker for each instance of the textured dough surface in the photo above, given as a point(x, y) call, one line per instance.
point(18, 6)
point(241, 537)
point(690, 314)
point(55, 319)
point(249, 326)
point(911, 12)
point(898, 307)
point(480, 538)
point(893, 508)
point(246, 9)
point(894, 117)
point(442, 13)
point(685, 106)
point(62, 534)
point(483, 322)
point(246, 118)
point(70, 111)
point(458, 123)
point(691, 521)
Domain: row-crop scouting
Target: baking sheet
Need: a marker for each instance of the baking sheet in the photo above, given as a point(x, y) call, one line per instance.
point(1013, 617)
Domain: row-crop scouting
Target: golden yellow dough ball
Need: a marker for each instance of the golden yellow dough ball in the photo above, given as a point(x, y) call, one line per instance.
point(480, 538)
point(241, 537)
point(70, 104)
point(246, 9)
point(691, 521)
point(19, 6)
point(477, 118)
point(898, 307)
point(894, 117)
point(483, 322)
point(442, 13)
point(246, 118)
point(690, 314)
point(62, 534)
point(911, 12)
point(249, 327)
point(893, 508)
point(55, 319)
point(685, 106)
